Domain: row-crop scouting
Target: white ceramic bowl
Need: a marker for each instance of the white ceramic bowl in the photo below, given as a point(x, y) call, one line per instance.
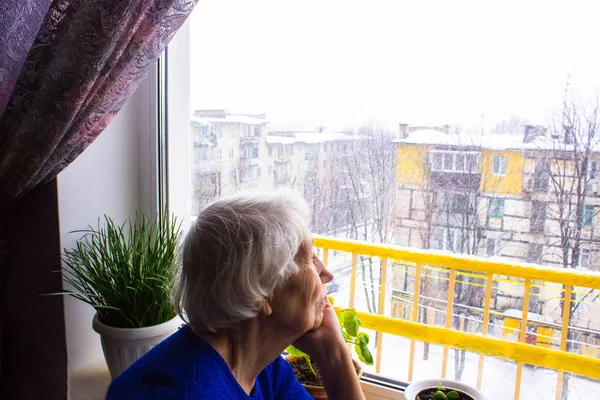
point(414, 388)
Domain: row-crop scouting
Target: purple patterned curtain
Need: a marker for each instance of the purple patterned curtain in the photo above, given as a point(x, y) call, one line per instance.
point(66, 69)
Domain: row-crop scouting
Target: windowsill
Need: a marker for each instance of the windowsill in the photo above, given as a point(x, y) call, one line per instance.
point(91, 382)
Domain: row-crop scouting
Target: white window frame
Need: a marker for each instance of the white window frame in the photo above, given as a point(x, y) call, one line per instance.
point(497, 245)
point(584, 254)
point(464, 169)
point(219, 155)
point(231, 154)
point(502, 165)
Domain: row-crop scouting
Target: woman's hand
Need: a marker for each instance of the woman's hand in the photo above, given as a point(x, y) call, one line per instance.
point(326, 337)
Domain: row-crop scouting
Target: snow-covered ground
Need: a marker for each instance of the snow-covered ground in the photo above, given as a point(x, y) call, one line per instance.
point(499, 376)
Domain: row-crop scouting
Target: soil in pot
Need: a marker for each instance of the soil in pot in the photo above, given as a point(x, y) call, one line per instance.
point(427, 394)
point(304, 374)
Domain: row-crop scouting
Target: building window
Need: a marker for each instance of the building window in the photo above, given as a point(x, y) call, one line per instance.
point(436, 161)
point(499, 167)
point(494, 245)
point(255, 152)
point(232, 177)
point(593, 170)
point(538, 216)
point(496, 208)
point(584, 259)
point(454, 161)
point(534, 253)
point(458, 205)
point(219, 155)
point(231, 154)
point(270, 170)
point(587, 217)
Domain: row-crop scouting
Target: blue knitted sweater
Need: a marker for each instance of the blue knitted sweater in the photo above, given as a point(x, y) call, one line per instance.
point(185, 367)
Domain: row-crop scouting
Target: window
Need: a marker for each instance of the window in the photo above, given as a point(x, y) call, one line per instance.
point(499, 167)
point(538, 216)
point(436, 161)
point(231, 154)
point(453, 161)
point(431, 164)
point(219, 155)
point(592, 170)
point(496, 208)
point(534, 253)
point(459, 204)
point(494, 245)
point(584, 259)
point(587, 217)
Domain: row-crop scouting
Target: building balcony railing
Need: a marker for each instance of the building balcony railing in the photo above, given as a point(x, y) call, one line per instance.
point(249, 140)
point(522, 336)
point(250, 161)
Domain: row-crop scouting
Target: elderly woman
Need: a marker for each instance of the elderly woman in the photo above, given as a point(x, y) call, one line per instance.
point(250, 286)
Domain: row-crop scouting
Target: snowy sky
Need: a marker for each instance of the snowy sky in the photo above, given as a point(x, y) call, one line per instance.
point(339, 63)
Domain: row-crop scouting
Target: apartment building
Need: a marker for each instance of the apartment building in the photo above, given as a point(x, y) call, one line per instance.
point(230, 154)
point(496, 196)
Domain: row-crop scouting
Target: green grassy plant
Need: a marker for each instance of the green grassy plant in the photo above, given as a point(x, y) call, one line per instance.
point(126, 272)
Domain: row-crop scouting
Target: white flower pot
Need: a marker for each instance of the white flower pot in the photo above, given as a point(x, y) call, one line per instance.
point(414, 388)
point(123, 346)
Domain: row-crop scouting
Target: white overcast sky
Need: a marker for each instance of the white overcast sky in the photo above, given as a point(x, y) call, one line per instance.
point(339, 63)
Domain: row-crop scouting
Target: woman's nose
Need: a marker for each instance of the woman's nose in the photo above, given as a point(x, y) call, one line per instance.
point(325, 275)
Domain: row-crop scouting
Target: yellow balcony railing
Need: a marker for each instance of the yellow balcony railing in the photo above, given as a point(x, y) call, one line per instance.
point(565, 281)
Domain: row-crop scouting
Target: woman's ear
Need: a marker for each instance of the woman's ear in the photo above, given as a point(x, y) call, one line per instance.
point(266, 307)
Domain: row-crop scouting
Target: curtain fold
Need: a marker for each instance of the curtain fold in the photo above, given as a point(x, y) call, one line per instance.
point(86, 60)
point(66, 69)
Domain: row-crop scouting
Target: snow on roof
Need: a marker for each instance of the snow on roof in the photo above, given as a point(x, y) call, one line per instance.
point(492, 141)
point(309, 137)
point(232, 118)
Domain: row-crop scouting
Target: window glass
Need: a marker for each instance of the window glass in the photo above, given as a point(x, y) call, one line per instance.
point(394, 123)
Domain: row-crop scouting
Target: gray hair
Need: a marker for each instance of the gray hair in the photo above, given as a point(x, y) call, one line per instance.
point(239, 250)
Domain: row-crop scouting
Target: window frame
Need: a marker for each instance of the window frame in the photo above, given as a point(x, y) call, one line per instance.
point(587, 215)
point(442, 156)
point(502, 165)
point(491, 212)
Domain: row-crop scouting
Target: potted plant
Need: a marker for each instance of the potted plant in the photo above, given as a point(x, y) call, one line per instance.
point(307, 372)
point(442, 390)
point(126, 272)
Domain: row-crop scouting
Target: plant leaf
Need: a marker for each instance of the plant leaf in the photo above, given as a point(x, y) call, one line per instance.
point(351, 323)
point(295, 352)
point(453, 394)
point(438, 396)
point(364, 354)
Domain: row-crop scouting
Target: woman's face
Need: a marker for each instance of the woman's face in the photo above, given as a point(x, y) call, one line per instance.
point(299, 304)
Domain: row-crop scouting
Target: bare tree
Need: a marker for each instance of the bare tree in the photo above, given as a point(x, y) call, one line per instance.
point(512, 126)
point(566, 160)
point(363, 193)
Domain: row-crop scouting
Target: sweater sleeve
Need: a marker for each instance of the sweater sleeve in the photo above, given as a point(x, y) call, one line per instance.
point(285, 384)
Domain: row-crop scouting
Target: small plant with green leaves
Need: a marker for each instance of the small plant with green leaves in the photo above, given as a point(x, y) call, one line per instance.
point(442, 393)
point(126, 272)
point(307, 372)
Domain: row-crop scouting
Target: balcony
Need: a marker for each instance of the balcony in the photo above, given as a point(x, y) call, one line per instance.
point(247, 140)
point(250, 162)
point(455, 180)
point(503, 350)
